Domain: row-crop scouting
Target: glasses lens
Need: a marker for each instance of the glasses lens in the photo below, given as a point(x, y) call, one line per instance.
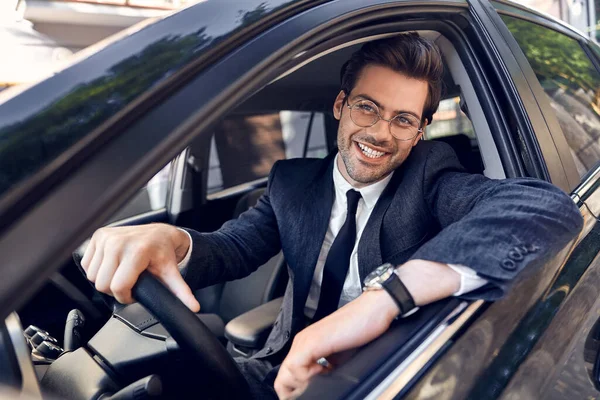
point(404, 126)
point(364, 113)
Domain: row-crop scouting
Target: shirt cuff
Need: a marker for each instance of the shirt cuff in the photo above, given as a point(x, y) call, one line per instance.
point(184, 263)
point(469, 280)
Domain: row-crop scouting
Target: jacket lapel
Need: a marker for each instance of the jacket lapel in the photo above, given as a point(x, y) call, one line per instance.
point(315, 206)
point(369, 248)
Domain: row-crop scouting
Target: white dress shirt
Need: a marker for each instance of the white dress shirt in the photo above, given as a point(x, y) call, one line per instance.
point(353, 285)
point(469, 280)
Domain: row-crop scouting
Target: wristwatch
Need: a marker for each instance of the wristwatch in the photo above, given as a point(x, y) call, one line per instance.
point(384, 277)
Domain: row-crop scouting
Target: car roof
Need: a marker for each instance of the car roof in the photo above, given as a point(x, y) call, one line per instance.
point(316, 81)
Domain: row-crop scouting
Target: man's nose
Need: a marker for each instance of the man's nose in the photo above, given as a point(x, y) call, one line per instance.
point(380, 131)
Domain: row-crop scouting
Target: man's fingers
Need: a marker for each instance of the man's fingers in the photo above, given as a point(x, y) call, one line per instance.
point(173, 280)
point(126, 276)
point(89, 253)
point(315, 369)
point(287, 385)
point(94, 264)
point(104, 276)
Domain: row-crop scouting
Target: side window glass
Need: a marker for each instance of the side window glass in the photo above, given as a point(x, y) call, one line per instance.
point(449, 120)
point(151, 197)
point(571, 82)
point(245, 147)
point(452, 126)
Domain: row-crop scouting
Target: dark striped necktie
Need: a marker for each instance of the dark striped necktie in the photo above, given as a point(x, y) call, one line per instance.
point(338, 261)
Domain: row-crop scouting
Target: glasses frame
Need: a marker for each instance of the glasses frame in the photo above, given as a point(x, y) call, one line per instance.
point(389, 121)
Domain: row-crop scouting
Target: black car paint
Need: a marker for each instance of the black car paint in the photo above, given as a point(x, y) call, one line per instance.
point(127, 160)
point(497, 331)
point(74, 112)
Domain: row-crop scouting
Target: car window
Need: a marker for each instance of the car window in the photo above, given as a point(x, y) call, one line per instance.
point(449, 120)
point(571, 82)
point(245, 147)
point(595, 48)
point(152, 197)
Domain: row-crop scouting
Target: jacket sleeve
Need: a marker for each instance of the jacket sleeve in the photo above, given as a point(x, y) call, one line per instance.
point(238, 248)
point(495, 227)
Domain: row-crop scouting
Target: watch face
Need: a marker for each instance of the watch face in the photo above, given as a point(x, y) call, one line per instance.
point(376, 278)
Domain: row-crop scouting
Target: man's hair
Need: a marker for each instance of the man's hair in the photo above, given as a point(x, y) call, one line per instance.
point(408, 54)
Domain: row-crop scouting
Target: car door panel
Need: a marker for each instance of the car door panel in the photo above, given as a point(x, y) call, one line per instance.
point(538, 121)
point(508, 357)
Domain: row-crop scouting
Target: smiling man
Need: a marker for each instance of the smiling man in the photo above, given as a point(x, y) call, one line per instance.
point(386, 225)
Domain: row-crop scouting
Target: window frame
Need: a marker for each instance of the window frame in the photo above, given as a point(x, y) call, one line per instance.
point(521, 12)
point(584, 45)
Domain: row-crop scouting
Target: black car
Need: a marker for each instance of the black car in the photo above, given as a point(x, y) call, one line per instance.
point(196, 107)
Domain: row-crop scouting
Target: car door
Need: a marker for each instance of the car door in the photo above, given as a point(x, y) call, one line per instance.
point(550, 350)
point(448, 362)
point(559, 341)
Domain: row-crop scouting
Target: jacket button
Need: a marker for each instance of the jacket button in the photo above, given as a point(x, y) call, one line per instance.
point(508, 264)
point(515, 255)
point(522, 249)
point(269, 350)
point(287, 335)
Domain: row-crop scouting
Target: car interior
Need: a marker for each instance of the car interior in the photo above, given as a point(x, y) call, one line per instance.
point(220, 176)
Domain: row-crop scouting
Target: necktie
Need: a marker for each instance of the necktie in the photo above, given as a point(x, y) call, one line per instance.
point(338, 261)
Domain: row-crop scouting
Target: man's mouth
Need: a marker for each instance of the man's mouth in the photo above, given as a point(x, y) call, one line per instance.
point(370, 152)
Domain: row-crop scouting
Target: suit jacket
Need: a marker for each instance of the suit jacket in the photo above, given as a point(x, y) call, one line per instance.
point(430, 210)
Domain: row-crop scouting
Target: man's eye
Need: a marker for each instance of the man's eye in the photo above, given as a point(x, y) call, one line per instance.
point(366, 108)
point(403, 121)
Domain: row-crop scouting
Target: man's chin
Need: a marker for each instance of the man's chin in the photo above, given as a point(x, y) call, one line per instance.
point(367, 178)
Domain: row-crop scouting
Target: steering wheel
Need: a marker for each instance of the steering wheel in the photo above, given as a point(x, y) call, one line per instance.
point(192, 336)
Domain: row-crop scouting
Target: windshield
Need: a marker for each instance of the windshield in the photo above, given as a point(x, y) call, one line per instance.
point(42, 123)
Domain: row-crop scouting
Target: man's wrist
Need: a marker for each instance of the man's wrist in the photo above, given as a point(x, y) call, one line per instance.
point(386, 306)
point(182, 242)
point(428, 281)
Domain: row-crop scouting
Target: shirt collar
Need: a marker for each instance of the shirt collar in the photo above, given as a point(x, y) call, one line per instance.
point(369, 193)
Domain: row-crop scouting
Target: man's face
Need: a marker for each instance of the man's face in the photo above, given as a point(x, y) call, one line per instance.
point(393, 93)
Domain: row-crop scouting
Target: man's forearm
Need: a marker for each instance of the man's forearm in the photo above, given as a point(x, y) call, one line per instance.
point(428, 281)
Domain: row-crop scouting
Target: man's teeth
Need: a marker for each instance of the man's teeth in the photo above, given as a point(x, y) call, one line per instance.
point(369, 152)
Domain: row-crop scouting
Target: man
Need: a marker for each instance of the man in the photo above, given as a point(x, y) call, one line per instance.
point(445, 232)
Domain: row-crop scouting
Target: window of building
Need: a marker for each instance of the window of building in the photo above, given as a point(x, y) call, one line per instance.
point(571, 82)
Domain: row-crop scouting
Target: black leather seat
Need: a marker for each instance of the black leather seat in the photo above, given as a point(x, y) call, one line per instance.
point(468, 155)
point(231, 299)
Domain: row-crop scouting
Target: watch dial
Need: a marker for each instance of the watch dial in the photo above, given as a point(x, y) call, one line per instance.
point(380, 274)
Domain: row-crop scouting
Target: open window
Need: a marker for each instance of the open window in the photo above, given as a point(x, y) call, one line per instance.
point(292, 117)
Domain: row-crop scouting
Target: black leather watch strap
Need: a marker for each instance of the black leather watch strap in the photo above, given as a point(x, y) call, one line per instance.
point(394, 286)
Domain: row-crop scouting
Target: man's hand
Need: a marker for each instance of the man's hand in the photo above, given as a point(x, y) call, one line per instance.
point(115, 258)
point(353, 325)
point(359, 322)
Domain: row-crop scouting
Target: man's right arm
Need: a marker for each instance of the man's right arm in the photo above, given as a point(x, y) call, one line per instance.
point(117, 256)
point(237, 249)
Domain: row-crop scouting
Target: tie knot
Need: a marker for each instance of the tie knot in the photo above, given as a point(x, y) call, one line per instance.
point(353, 197)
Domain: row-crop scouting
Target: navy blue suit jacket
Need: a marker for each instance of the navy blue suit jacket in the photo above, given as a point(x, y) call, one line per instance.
point(430, 210)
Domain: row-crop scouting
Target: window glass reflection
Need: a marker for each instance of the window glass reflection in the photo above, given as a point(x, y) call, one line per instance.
point(572, 83)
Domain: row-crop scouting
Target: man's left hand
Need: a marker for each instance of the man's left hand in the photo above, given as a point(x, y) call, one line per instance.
point(353, 325)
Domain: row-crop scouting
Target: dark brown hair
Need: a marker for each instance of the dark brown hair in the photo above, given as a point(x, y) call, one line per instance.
point(408, 54)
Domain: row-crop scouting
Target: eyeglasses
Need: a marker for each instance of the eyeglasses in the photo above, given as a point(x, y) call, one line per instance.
point(404, 126)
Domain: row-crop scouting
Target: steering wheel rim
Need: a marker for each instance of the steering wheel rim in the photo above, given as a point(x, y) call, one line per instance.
point(192, 336)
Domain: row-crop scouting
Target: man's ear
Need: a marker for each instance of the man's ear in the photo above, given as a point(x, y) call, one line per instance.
point(338, 104)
